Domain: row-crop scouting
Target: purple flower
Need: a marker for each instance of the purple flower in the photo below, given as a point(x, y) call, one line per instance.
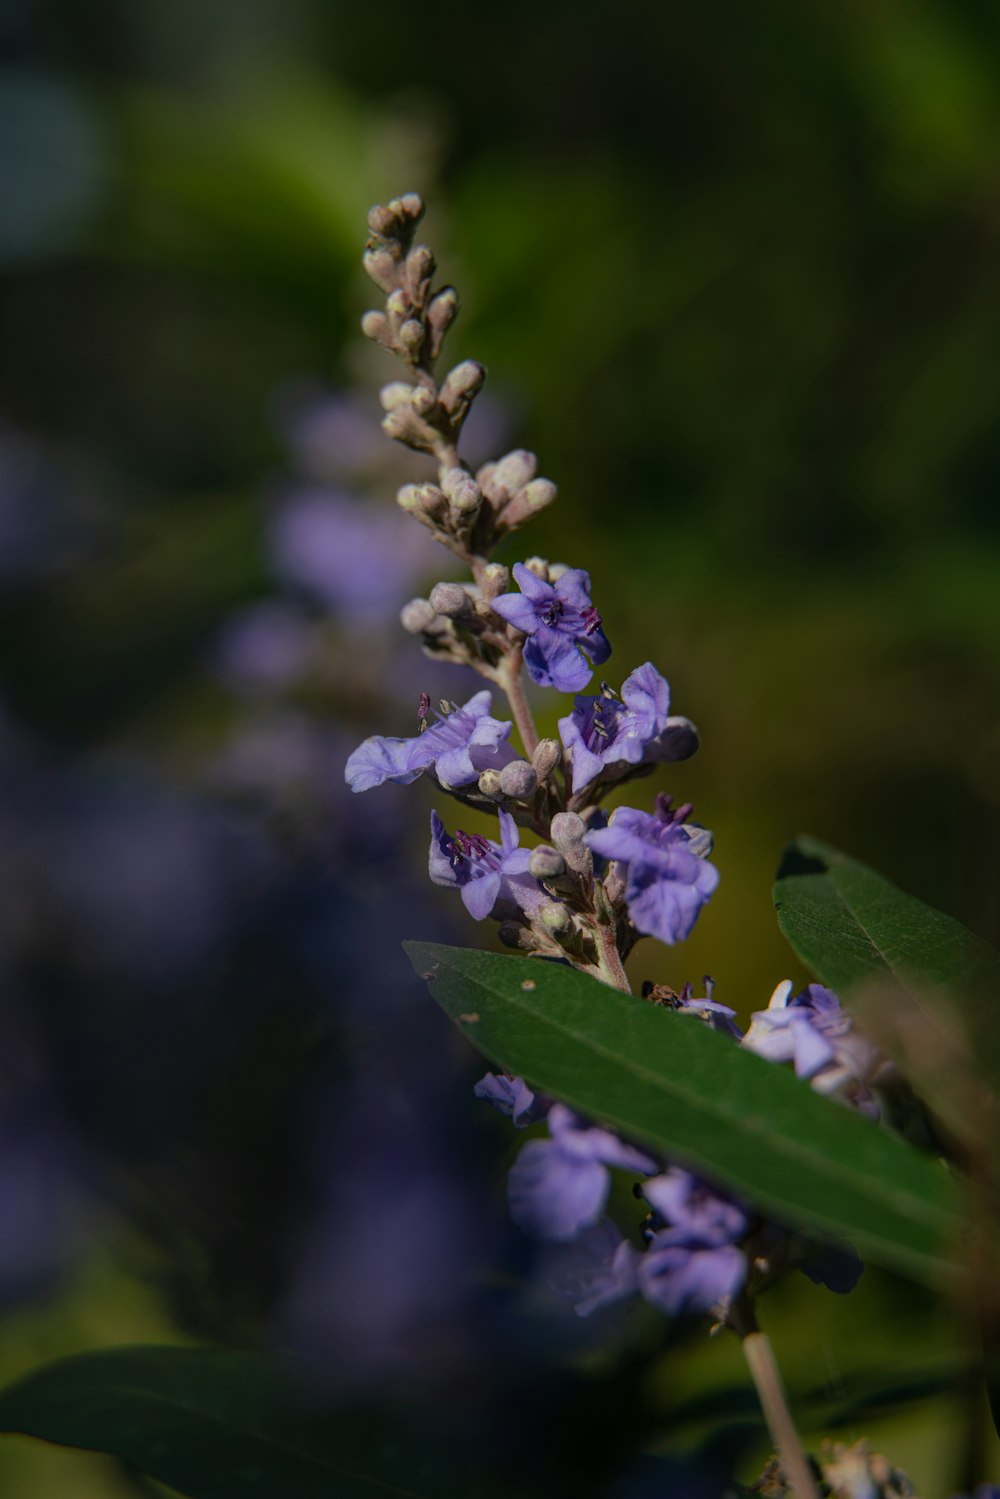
point(632, 729)
point(666, 883)
point(513, 1097)
point(693, 1264)
point(462, 743)
point(562, 625)
point(680, 1272)
point(812, 1031)
point(559, 1186)
point(493, 878)
point(597, 1268)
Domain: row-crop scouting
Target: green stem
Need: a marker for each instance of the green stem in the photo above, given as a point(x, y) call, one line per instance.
point(766, 1376)
point(609, 959)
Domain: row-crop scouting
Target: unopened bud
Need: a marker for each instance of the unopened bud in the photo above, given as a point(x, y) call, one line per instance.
point(420, 263)
point(513, 472)
point(382, 268)
point(539, 566)
point(403, 425)
point(489, 785)
point(424, 399)
point(466, 499)
point(442, 309)
point(398, 304)
point(557, 919)
point(461, 384)
point(518, 780)
point(451, 600)
point(375, 325)
point(411, 205)
point(546, 757)
point(381, 219)
point(495, 581)
point(397, 393)
point(411, 334)
point(513, 935)
point(567, 832)
point(425, 501)
point(532, 498)
point(546, 863)
point(417, 616)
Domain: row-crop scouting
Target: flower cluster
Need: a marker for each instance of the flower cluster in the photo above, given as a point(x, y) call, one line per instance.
point(701, 1247)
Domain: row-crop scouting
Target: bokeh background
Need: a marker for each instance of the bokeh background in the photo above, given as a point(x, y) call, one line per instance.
point(732, 270)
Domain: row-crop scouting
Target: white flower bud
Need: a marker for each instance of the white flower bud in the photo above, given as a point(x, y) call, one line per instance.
point(398, 305)
point(513, 472)
point(410, 206)
point(382, 268)
point(397, 393)
point(417, 616)
point(567, 832)
point(461, 385)
point(518, 780)
point(546, 863)
point(546, 757)
point(411, 334)
point(375, 325)
point(451, 600)
point(495, 581)
point(557, 919)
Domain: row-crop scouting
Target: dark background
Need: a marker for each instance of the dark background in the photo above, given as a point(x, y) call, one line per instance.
point(732, 270)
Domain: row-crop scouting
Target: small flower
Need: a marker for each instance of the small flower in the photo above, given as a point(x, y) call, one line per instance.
point(717, 1016)
point(666, 883)
point(813, 1031)
point(693, 1264)
point(562, 625)
point(633, 729)
point(458, 747)
point(597, 1268)
point(493, 878)
point(559, 1186)
point(513, 1097)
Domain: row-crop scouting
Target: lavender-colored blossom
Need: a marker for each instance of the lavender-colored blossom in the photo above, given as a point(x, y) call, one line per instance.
point(596, 1268)
point(358, 561)
point(461, 744)
point(633, 729)
point(718, 1016)
point(816, 1034)
point(684, 1200)
point(562, 626)
point(666, 883)
point(513, 1097)
point(680, 1272)
point(559, 1186)
point(493, 878)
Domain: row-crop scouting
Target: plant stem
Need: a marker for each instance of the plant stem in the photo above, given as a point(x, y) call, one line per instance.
point(767, 1378)
point(609, 960)
point(512, 683)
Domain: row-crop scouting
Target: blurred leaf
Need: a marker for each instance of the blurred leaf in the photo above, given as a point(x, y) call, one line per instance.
point(690, 1092)
point(220, 1425)
point(928, 989)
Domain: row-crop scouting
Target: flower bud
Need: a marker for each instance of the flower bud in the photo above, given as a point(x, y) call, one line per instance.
point(397, 393)
point(451, 600)
point(403, 425)
point(420, 264)
point(532, 498)
point(411, 206)
point(546, 863)
point(518, 780)
point(381, 219)
point(398, 304)
point(417, 616)
point(539, 566)
point(567, 832)
point(442, 309)
point(546, 757)
point(489, 785)
point(513, 472)
point(382, 268)
point(423, 400)
point(411, 334)
point(375, 325)
point(513, 935)
point(425, 501)
point(495, 581)
point(461, 385)
point(557, 919)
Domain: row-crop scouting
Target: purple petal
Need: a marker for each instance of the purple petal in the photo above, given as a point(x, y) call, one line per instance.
point(531, 585)
point(553, 1194)
point(573, 586)
point(678, 1274)
point(377, 760)
point(598, 1267)
point(590, 1142)
point(555, 660)
point(512, 1096)
point(479, 896)
point(518, 611)
point(647, 693)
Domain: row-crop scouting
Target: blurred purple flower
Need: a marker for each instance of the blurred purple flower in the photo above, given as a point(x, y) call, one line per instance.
point(493, 878)
point(562, 626)
point(512, 1096)
point(267, 646)
point(634, 729)
point(666, 883)
point(359, 561)
point(596, 1268)
point(692, 1264)
point(559, 1186)
point(458, 747)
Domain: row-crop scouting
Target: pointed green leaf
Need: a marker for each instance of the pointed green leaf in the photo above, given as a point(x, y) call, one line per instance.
point(672, 1082)
point(217, 1425)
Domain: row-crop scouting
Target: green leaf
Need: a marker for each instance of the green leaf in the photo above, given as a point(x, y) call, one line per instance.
point(851, 925)
point(925, 987)
point(689, 1091)
point(219, 1425)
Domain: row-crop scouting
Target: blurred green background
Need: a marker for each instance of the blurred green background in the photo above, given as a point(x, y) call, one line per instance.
point(733, 272)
